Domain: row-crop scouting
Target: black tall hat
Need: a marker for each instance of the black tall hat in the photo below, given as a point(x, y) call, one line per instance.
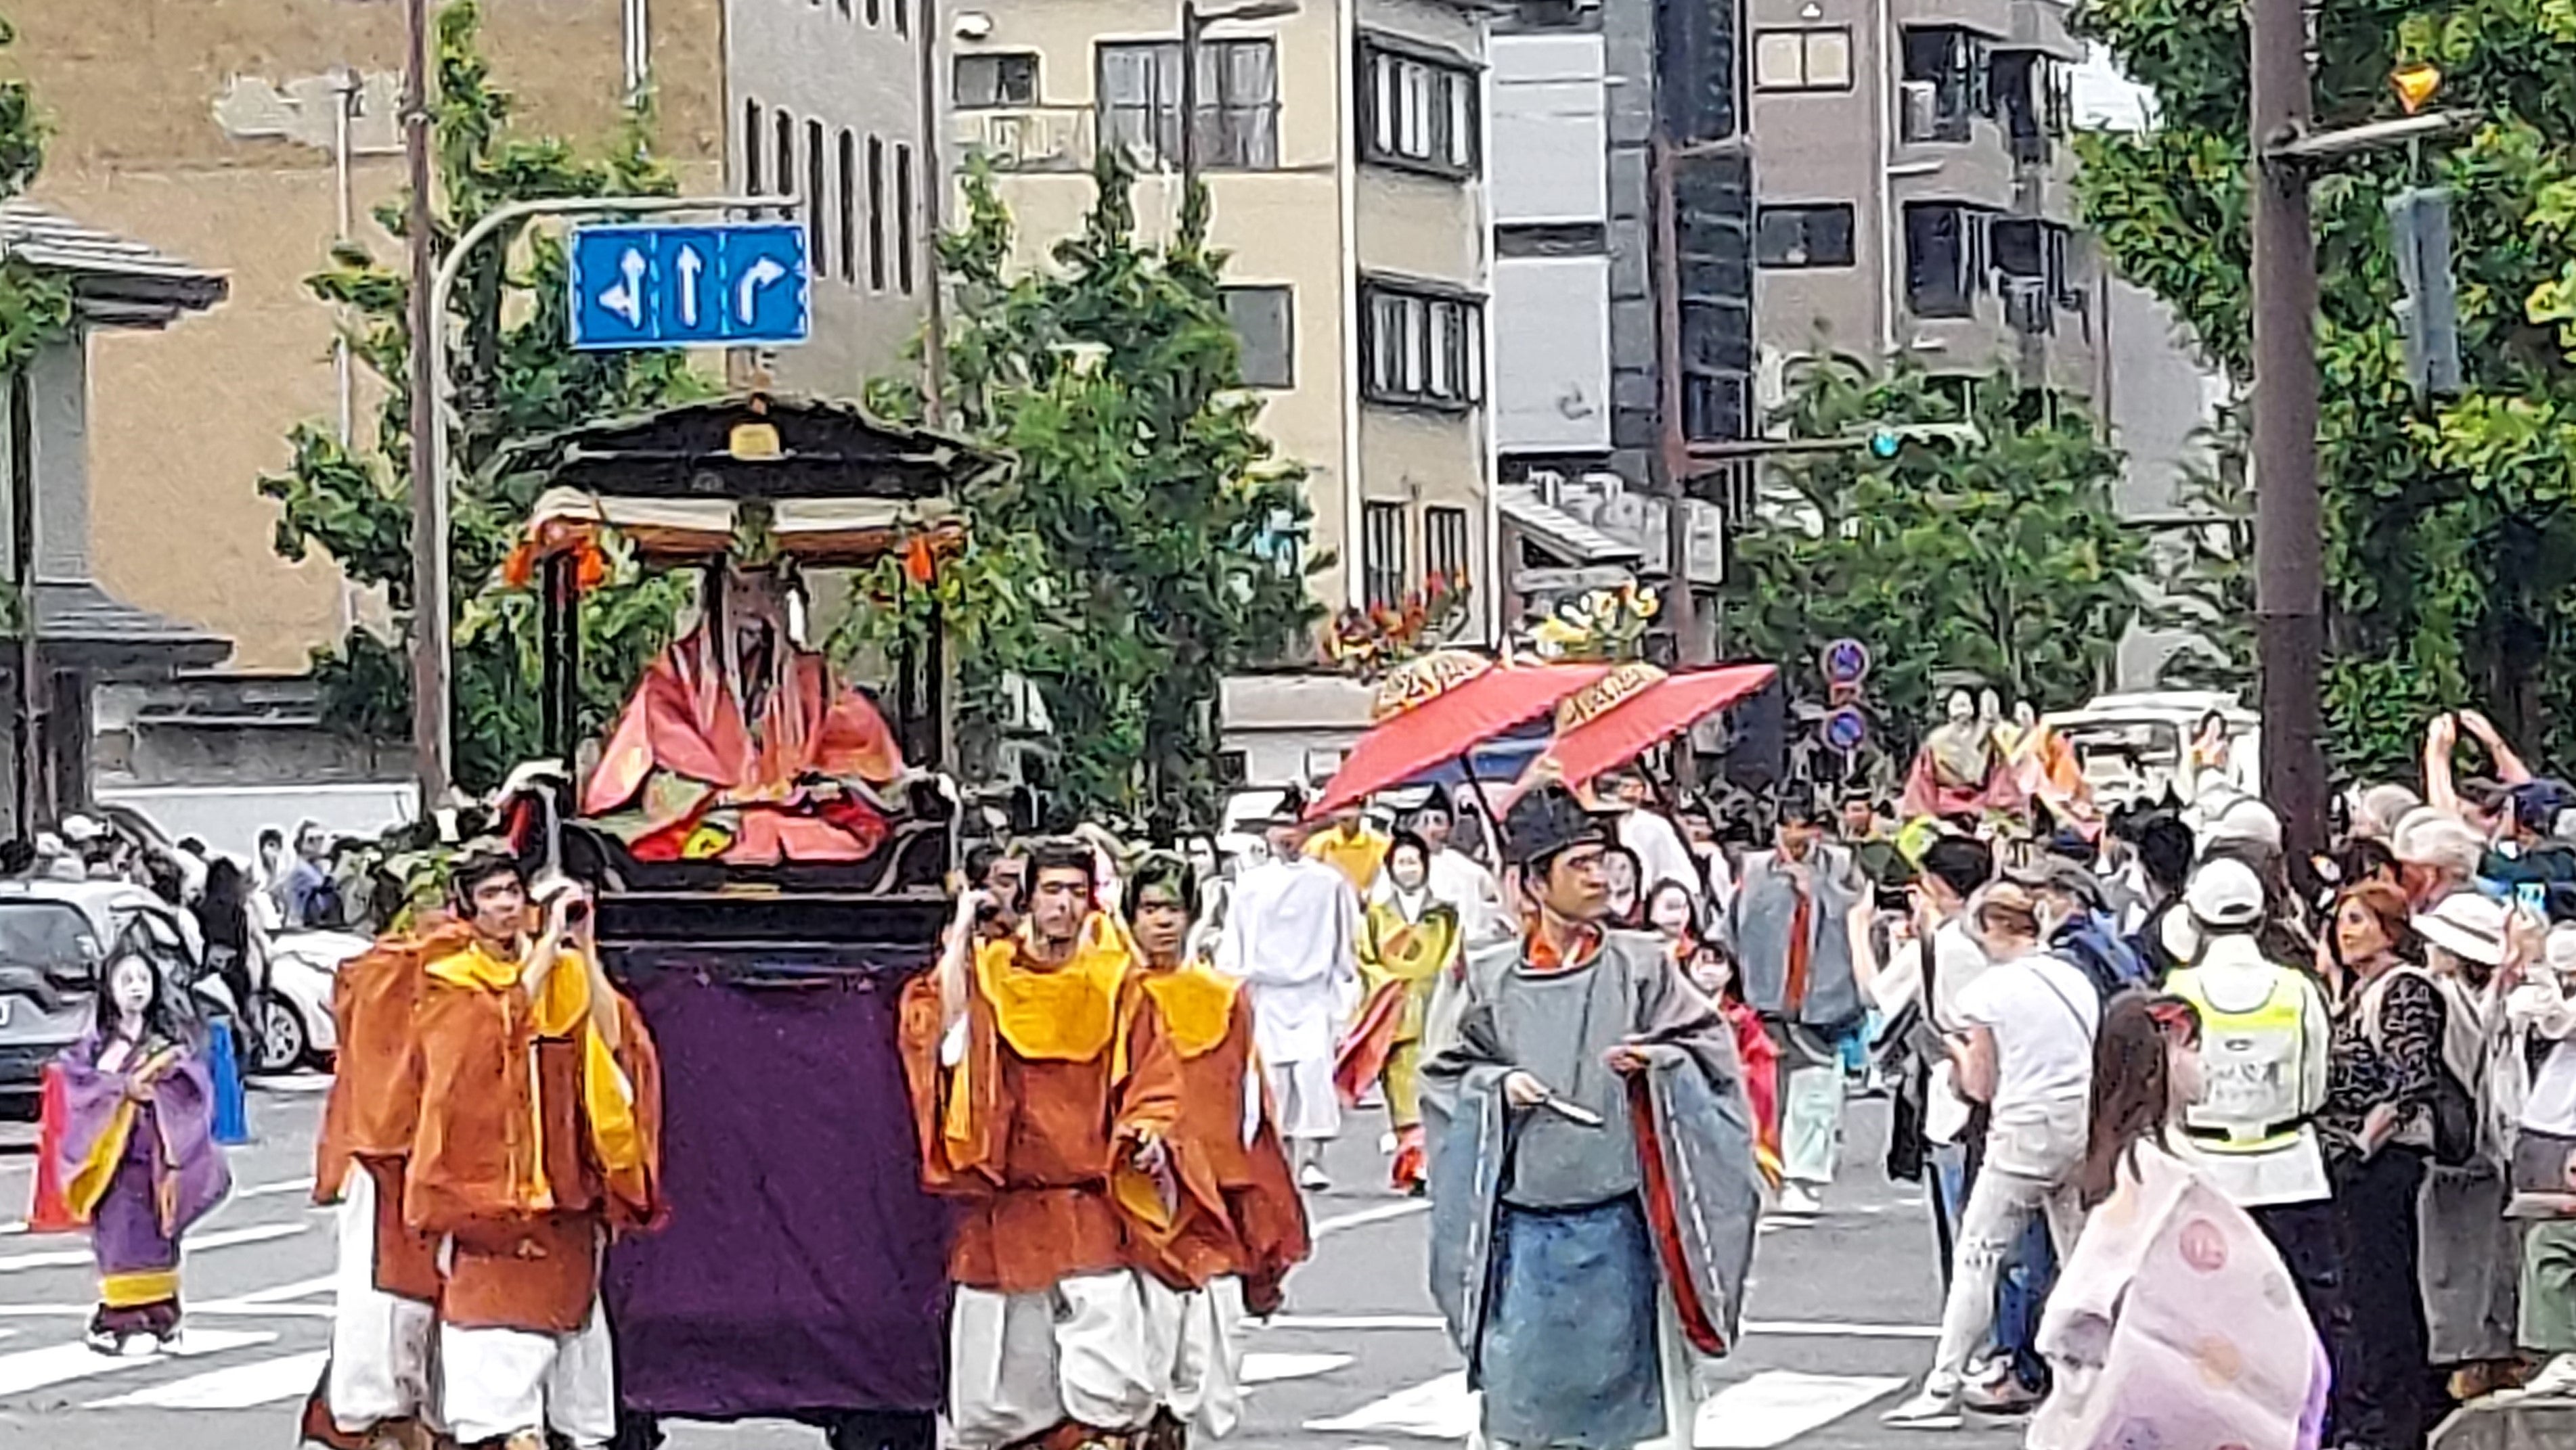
point(1549, 820)
point(1291, 808)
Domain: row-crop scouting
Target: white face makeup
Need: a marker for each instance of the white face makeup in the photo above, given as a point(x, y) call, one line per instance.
point(129, 986)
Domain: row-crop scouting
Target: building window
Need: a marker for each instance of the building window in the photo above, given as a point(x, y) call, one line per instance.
point(902, 17)
point(1803, 60)
point(903, 217)
point(876, 214)
point(1382, 554)
point(785, 133)
point(1945, 245)
point(1713, 405)
point(845, 8)
point(753, 138)
point(1945, 72)
point(876, 12)
point(1813, 235)
point(982, 82)
point(1265, 334)
point(847, 165)
point(818, 208)
point(1418, 113)
point(1424, 347)
point(1238, 102)
point(1445, 544)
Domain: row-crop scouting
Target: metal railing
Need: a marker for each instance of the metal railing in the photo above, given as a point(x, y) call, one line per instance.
point(1030, 138)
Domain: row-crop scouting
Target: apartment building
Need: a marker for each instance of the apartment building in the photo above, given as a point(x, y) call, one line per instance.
point(1914, 187)
point(1623, 218)
point(246, 138)
point(1343, 144)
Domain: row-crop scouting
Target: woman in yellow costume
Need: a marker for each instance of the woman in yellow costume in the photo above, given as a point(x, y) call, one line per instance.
point(1406, 940)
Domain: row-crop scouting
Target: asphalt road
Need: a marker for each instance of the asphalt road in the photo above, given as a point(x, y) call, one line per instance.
point(1840, 1318)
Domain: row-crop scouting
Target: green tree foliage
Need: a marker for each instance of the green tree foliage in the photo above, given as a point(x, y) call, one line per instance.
point(2205, 573)
point(2451, 545)
point(1145, 542)
point(515, 378)
point(2006, 561)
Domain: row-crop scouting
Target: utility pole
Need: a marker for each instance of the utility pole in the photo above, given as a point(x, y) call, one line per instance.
point(1191, 29)
point(2289, 542)
point(2289, 589)
point(429, 621)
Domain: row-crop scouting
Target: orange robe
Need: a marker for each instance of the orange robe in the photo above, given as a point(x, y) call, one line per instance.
point(1059, 1065)
point(684, 748)
point(536, 1140)
point(1240, 1213)
point(373, 1110)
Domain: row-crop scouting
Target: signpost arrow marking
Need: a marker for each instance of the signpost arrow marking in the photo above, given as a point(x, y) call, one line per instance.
point(689, 264)
point(626, 299)
point(761, 273)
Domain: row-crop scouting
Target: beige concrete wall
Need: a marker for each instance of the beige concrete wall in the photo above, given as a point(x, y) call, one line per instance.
point(184, 422)
point(1279, 227)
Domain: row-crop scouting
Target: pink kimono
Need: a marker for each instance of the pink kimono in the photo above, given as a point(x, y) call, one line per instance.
point(2175, 1324)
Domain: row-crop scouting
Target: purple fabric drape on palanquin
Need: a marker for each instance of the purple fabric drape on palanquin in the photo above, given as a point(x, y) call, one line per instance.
point(803, 1268)
point(134, 1225)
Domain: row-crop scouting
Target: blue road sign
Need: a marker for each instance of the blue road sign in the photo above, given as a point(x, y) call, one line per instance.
point(1845, 729)
point(669, 286)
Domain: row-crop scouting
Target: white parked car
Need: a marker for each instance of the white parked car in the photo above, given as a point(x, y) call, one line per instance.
point(295, 1027)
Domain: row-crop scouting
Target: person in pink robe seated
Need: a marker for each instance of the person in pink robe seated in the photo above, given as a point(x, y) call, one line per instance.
point(740, 745)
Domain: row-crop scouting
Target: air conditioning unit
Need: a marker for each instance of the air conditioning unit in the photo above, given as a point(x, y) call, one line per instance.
point(1920, 105)
point(2026, 305)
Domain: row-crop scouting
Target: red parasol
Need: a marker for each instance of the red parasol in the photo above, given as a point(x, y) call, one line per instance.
point(1636, 707)
point(1440, 707)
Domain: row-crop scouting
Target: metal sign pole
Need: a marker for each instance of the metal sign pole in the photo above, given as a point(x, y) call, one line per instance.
point(433, 412)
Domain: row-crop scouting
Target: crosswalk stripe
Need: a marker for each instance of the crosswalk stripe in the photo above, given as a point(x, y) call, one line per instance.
point(225, 1238)
point(284, 1293)
point(240, 1387)
point(1438, 1409)
point(34, 1369)
point(1770, 1409)
point(1778, 1405)
point(1326, 1228)
point(1260, 1368)
point(271, 1190)
point(1836, 1329)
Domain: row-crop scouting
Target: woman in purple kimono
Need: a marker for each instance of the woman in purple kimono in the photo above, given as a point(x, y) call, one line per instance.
point(138, 1157)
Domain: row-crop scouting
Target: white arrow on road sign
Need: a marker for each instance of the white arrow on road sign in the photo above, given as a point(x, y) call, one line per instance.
point(761, 273)
point(626, 299)
point(689, 264)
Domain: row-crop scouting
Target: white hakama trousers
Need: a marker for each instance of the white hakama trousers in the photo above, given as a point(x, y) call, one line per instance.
point(380, 1342)
point(1020, 1364)
point(1309, 1106)
point(502, 1382)
point(1198, 1342)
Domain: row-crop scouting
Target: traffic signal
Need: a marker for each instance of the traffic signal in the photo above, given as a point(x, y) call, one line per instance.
point(1889, 439)
point(2428, 315)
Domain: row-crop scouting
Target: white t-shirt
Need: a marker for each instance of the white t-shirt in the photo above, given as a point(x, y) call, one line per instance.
point(2043, 1014)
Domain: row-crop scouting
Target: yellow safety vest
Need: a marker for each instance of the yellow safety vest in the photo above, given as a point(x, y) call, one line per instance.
point(2252, 1064)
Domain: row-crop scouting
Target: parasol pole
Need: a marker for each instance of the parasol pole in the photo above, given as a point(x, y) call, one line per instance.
point(1493, 818)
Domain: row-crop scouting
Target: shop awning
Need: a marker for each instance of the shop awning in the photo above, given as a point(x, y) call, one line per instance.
point(1558, 532)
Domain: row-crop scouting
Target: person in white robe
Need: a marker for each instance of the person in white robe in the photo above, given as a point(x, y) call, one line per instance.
point(1292, 935)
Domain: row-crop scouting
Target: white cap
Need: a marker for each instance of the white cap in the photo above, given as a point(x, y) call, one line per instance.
point(2243, 819)
point(2465, 924)
point(2224, 895)
point(2560, 948)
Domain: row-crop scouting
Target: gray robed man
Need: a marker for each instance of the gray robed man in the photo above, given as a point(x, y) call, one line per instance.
point(1593, 1188)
